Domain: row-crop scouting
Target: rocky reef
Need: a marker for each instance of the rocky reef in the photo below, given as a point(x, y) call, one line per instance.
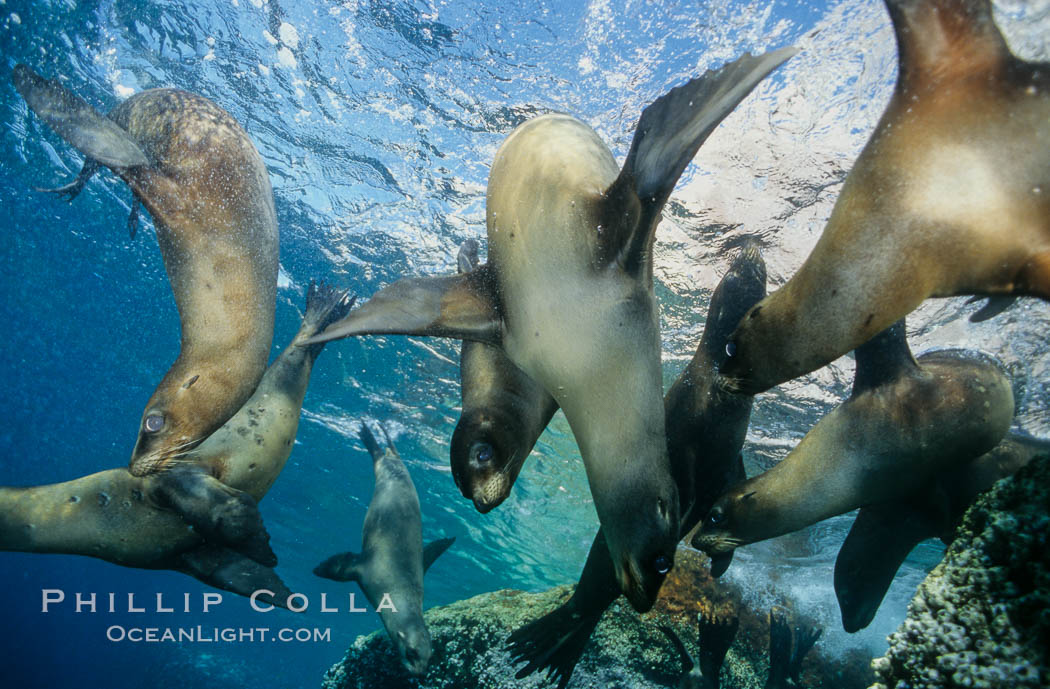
point(626, 650)
point(981, 618)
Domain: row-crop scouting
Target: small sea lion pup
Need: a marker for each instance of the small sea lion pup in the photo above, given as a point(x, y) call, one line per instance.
point(905, 421)
point(706, 425)
point(392, 560)
point(504, 413)
point(568, 295)
point(950, 196)
point(884, 534)
point(194, 168)
point(124, 519)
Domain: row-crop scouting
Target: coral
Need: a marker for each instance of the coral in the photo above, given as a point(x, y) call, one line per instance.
point(982, 617)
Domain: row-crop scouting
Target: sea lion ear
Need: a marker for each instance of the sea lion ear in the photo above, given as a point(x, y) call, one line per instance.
point(462, 307)
point(83, 127)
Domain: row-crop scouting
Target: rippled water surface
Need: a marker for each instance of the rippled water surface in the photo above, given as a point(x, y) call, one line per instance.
point(377, 122)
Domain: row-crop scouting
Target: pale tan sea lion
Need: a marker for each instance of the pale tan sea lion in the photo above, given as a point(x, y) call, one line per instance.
point(905, 421)
point(197, 172)
point(568, 294)
point(121, 518)
point(950, 196)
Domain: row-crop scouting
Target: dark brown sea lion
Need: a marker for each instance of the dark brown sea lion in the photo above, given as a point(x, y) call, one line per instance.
point(706, 425)
point(568, 294)
point(504, 413)
point(905, 421)
point(115, 516)
point(204, 184)
point(950, 196)
point(884, 534)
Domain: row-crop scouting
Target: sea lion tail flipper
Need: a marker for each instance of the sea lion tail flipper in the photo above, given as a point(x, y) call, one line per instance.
point(81, 125)
point(221, 514)
point(467, 258)
point(341, 567)
point(805, 636)
point(668, 135)
point(434, 550)
point(462, 307)
point(992, 307)
point(879, 540)
point(688, 662)
point(716, 634)
point(325, 304)
point(553, 643)
point(225, 569)
point(779, 648)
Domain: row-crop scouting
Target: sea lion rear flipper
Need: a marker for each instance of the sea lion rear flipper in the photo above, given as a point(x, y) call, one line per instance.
point(434, 550)
point(877, 543)
point(81, 125)
point(341, 567)
point(230, 571)
point(805, 637)
point(688, 662)
point(71, 190)
point(992, 308)
point(325, 305)
point(460, 306)
point(553, 643)
point(668, 135)
point(368, 439)
point(221, 514)
point(715, 636)
point(779, 649)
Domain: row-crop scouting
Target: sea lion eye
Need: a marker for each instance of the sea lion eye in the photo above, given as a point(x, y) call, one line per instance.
point(731, 349)
point(483, 452)
point(153, 423)
point(662, 565)
point(716, 516)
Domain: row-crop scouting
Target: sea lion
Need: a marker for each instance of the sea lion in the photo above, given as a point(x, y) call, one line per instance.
point(115, 516)
point(706, 425)
point(568, 294)
point(884, 534)
point(950, 196)
point(714, 636)
point(905, 421)
point(504, 413)
point(196, 171)
point(392, 560)
point(787, 650)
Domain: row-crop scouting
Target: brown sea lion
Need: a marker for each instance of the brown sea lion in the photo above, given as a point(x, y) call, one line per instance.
point(905, 421)
point(950, 196)
point(884, 534)
point(196, 171)
point(568, 294)
point(504, 413)
point(115, 516)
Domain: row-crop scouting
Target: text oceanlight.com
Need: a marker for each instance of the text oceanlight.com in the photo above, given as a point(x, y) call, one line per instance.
point(202, 634)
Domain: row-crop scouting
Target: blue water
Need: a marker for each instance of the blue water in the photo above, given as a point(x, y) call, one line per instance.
point(377, 122)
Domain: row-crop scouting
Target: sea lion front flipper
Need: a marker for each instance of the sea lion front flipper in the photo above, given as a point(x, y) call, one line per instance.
point(554, 642)
point(715, 636)
point(879, 540)
point(779, 649)
point(668, 135)
point(992, 308)
point(883, 358)
point(341, 567)
point(81, 125)
point(805, 637)
point(688, 662)
point(221, 514)
point(225, 569)
point(459, 306)
point(434, 550)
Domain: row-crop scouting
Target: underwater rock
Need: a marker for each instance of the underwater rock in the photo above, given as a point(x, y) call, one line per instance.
point(626, 650)
point(982, 616)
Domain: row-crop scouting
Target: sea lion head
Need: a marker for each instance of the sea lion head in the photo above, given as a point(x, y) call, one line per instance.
point(748, 364)
point(171, 423)
point(486, 457)
point(413, 645)
point(724, 528)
